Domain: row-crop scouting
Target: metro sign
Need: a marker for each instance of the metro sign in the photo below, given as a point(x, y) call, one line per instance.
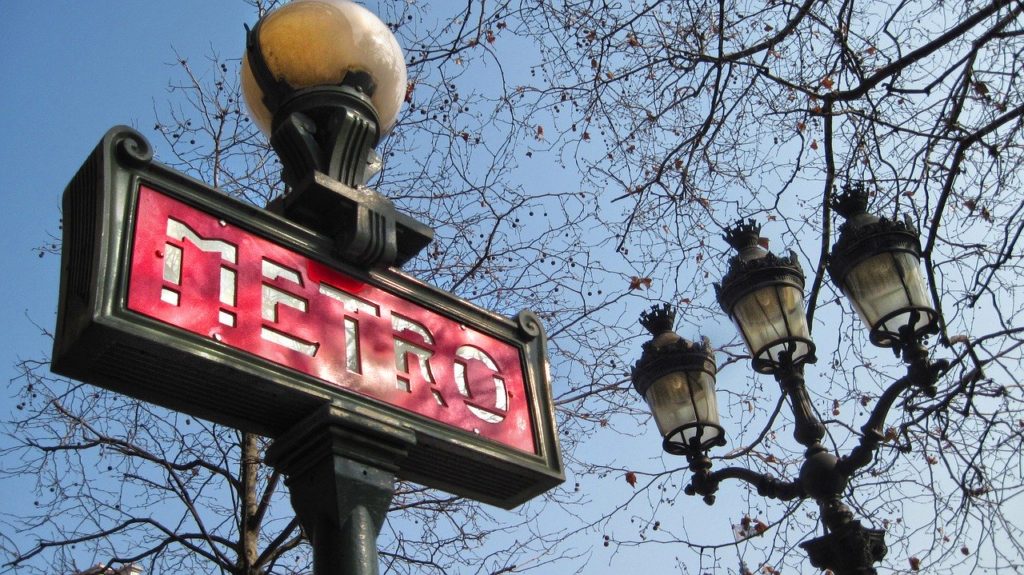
point(176, 294)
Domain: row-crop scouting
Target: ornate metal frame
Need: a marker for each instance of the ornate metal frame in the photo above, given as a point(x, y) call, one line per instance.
point(100, 341)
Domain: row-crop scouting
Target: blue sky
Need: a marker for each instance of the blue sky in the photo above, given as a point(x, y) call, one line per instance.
point(72, 70)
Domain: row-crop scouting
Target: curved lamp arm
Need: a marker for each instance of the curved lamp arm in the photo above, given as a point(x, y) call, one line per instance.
point(923, 376)
point(705, 482)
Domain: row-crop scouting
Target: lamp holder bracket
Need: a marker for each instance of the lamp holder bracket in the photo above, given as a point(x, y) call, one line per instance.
point(697, 446)
point(366, 227)
point(808, 429)
point(332, 129)
point(705, 482)
point(273, 88)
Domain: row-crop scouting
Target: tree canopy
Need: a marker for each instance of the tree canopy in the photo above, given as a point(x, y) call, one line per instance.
point(582, 159)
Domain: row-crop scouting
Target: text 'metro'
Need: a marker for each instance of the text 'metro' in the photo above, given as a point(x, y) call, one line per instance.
point(198, 273)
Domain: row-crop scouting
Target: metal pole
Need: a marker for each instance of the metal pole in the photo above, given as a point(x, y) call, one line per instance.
point(341, 475)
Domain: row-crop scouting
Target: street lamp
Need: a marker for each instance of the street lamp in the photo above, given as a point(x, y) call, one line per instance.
point(677, 378)
point(875, 263)
point(324, 79)
point(763, 295)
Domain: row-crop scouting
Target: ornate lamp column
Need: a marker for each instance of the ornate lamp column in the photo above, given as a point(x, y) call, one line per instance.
point(763, 294)
point(324, 79)
point(875, 262)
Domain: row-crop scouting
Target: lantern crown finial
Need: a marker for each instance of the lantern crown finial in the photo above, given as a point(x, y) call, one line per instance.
point(743, 234)
point(659, 319)
point(852, 201)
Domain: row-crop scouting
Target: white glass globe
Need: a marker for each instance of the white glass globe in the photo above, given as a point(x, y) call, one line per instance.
point(309, 43)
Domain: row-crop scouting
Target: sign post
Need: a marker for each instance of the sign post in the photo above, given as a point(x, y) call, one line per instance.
point(294, 322)
point(341, 486)
point(174, 293)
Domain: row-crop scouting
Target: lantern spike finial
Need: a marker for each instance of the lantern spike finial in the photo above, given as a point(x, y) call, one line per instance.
point(743, 234)
point(659, 319)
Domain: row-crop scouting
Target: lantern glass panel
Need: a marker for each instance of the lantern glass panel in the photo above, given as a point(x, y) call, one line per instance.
point(885, 289)
point(772, 321)
point(682, 404)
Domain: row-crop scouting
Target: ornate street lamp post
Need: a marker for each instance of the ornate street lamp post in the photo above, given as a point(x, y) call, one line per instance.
point(875, 263)
point(324, 80)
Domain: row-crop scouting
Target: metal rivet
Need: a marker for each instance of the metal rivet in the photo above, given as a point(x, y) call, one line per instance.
point(222, 223)
point(159, 254)
point(218, 337)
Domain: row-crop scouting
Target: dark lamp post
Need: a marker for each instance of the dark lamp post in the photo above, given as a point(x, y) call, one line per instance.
point(325, 80)
point(875, 262)
point(763, 295)
point(677, 378)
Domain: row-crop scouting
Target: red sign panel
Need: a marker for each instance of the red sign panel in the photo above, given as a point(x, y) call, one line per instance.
point(211, 278)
